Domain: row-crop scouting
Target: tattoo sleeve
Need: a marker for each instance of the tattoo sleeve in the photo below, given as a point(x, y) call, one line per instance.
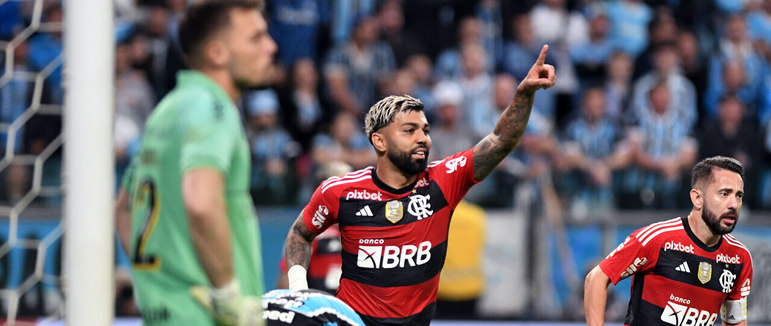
point(495, 146)
point(298, 244)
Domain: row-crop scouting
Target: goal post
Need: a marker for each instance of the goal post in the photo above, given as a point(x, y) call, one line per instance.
point(89, 176)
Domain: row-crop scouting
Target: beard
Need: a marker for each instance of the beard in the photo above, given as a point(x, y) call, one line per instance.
point(713, 221)
point(403, 160)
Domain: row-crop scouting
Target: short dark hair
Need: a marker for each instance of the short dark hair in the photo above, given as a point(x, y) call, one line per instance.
point(703, 170)
point(207, 17)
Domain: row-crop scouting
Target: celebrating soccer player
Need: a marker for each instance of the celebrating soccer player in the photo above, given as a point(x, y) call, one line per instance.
point(394, 217)
point(685, 270)
point(184, 214)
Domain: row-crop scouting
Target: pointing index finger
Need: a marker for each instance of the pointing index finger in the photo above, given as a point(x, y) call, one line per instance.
point(542, 56)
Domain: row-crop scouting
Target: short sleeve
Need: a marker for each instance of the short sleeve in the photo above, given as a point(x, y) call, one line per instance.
point(209, 135)
point(455, 175)
point(628, 258)
point(742, 287)
point(321, 211)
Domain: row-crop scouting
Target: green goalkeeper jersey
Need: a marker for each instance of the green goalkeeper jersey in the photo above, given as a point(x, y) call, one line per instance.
point(195, 126)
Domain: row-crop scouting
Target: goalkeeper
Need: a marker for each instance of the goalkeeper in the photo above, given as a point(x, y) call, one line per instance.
point(183, 213)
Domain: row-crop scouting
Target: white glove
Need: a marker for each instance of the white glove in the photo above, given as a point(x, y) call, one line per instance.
point(228, 306)
point(298, 278)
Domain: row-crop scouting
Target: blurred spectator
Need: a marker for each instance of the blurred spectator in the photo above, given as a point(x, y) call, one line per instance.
point(15, 98)
point(272, 150)
point(477, 86)
point(345, 142)
point(662, 149)
point(662, 30)
point(734, 81)
point(588, 155)
point(356, 70)
point(449, 64)
point(518, 54)
point(134, 99)
point(629, 25)
point(694, 67)
point(488, 13)
point(618, 87)
point(10, 19)
point(591, 56)
point(296, 26)
point(165, 57)
point(681, 93)
point(759, 27)
point(305, 112)
point(345, 13)
point(553, 24)
point(402, 42)
point(421, 67)
point(462, 281)
point(44, 50)
point(731, 133)
point(449, 135)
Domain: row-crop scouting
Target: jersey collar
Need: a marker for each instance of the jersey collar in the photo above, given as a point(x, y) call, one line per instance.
point(696, 240)
point(194, 77)
point(380, 184)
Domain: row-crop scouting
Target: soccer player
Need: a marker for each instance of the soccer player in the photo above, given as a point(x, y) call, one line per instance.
point(307, 308)
point(183, 213)
point(394, 217)
point(684, 270)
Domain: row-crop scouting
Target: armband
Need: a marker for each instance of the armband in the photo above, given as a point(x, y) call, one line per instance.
point(734, 311)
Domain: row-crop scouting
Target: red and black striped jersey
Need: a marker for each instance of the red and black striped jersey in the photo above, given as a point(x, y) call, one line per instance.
point(394, 240)
point(677, 279)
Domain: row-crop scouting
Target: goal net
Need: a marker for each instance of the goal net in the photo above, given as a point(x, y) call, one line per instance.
point(56, 238)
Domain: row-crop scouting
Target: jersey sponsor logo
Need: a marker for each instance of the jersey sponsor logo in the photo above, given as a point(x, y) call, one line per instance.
point(419, 206)
point(364, 195)
point(705, 272)
point(452, 165)
point(285, 316)
point(620, 246)
point(746, 288)
point(320, 216)
point(638, 262)
point(423, 182)
point(671, 245)
point(394, 210)
point(364, 211)
point(682, 315)
point(727, 280)
point(683, 268)
point(723, 258)
point(384, 257)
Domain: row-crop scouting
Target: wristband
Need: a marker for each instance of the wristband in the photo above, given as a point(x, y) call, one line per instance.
point(297, 276)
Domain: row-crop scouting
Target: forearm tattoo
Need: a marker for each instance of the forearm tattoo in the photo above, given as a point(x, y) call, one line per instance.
point(298, 245)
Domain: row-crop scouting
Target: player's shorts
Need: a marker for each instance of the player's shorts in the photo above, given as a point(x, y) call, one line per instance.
point(307, 307)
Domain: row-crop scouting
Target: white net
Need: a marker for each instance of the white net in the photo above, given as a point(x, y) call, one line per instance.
point(30, 168)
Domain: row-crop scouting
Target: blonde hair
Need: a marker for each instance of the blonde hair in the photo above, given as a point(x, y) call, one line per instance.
point(383, 112)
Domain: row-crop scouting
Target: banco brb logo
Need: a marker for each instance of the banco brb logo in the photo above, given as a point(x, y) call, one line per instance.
point(393, 256)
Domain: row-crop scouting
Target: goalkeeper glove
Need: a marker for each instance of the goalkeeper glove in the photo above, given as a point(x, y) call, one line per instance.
point(228, 306)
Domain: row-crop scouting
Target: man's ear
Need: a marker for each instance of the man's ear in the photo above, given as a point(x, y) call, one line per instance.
point(696, 198)
point(217, 53)
point(378, 140)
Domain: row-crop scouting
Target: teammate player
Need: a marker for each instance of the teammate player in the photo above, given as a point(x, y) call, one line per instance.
point(394, 217)
point(184, 214)
point(685, 270)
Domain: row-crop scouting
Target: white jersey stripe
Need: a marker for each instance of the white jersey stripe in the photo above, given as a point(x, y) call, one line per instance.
point(350, 175)
point(732, 241)
point(647, 228)
point(658, 226)
point(344, 181)
point(674, 228)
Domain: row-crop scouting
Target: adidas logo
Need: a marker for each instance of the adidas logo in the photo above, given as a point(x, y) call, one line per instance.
point(683, 268)
point(364, 211)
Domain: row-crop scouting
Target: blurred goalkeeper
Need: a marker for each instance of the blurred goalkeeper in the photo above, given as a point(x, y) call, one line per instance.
point(183, 213)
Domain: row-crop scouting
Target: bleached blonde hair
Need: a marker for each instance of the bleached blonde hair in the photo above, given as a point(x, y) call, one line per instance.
point(384, 111)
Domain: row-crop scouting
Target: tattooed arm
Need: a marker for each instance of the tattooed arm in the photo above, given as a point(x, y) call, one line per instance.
point(297, 247)
point(510, 127)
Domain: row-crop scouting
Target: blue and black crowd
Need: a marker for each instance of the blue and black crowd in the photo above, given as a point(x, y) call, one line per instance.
point(645, 89)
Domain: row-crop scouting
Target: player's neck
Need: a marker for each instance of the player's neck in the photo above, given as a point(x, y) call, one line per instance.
point(701, 230)
point(223, 78)
point(392, 176)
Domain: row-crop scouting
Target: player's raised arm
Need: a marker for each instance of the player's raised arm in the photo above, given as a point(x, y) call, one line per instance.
point(511, 125)
point(595, 296)
point(297, 249)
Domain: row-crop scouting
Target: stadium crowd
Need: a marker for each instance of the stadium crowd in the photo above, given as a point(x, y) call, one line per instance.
point(646, 88)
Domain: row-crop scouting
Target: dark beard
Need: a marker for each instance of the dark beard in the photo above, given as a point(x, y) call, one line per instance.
point(403, 161)
point(713, 222)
